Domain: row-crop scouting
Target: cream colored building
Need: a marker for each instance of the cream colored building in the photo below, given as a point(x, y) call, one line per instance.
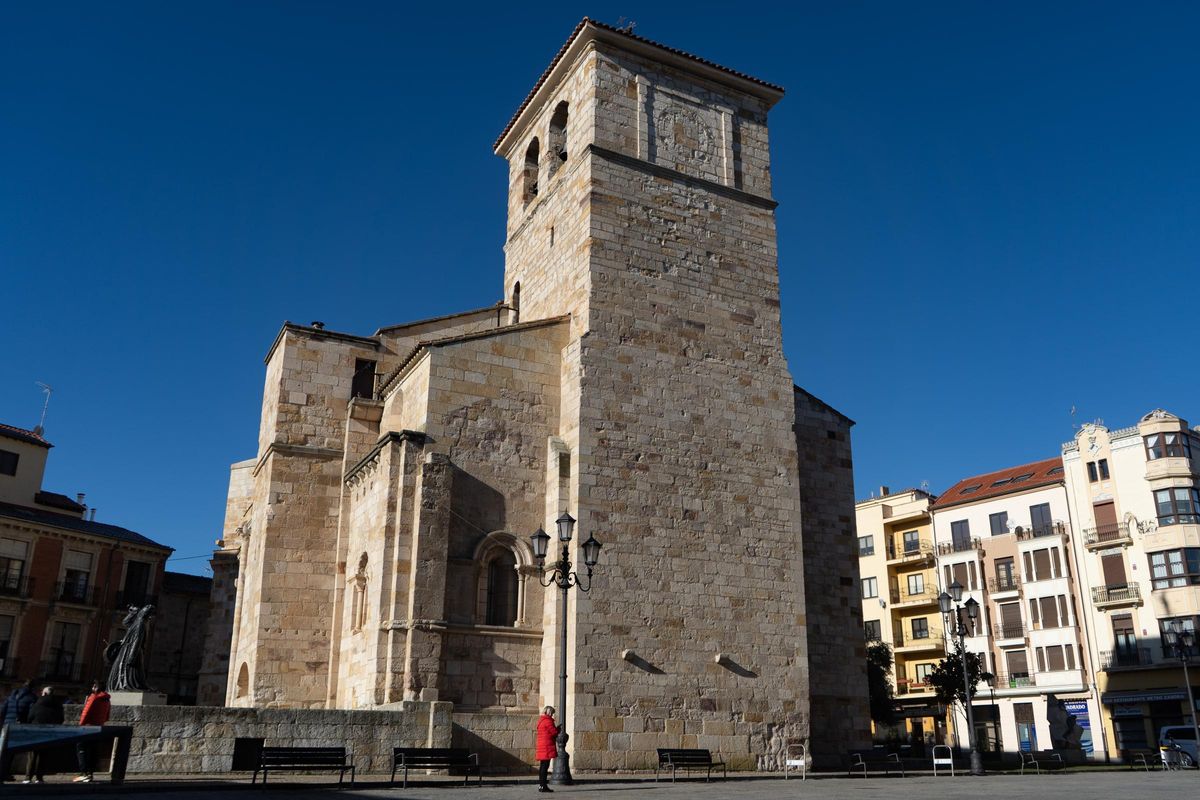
point(899, 587)
point(633, 375)
point(1134, 493)
point(1006, 537)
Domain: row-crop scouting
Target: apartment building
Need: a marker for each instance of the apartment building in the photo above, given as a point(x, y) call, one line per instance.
point(1134, 493)
point(64, 577)
point(899, 604)
point(1006, 537)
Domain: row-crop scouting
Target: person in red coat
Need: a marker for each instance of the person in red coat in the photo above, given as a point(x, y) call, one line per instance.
point(95, 712)
point(547, 732)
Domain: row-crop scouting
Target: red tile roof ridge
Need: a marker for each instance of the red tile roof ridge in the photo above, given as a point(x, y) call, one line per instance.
point(562, 51)
point(1042, 473)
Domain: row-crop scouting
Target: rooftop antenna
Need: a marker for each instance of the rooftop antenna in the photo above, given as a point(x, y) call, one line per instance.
point(48, 391)
point(1073, 425)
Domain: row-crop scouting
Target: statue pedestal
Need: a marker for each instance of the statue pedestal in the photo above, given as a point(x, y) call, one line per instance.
point(138, 698)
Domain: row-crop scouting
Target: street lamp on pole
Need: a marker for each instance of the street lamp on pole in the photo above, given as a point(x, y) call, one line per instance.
point(1181, 640)
point(951, 604)
point(561, 576)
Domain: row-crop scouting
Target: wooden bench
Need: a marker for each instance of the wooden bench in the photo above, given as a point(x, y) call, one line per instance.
point(448, 758)
point(873, 759)
point(688, 760)
point(304, 759)
point(1053, 761)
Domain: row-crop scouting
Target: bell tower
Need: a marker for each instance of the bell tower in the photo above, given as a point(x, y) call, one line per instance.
point(640, 204)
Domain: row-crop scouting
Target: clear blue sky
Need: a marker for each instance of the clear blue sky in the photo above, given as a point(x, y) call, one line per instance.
point(988, 214)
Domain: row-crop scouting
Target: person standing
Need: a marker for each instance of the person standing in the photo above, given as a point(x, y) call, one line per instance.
point(547, 732)
point(16, 708)
point(47, 710)
point(95, 712)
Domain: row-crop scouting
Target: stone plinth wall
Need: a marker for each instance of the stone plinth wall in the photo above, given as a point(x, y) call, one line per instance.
point(200, 739)
point(503, 740)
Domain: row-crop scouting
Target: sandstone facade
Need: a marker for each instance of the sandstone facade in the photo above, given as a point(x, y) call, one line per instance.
point(634, 376)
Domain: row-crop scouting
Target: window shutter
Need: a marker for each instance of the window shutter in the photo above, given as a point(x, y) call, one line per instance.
point(78, 561)
point(12, 548)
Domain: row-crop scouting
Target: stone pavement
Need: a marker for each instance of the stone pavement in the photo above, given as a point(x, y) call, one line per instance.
point(1078, 785)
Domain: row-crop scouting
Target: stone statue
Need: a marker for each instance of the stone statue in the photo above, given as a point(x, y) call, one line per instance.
point(128, 671)
point(1065, 732)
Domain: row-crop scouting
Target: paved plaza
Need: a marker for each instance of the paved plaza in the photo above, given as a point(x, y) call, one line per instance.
point(1080, 785)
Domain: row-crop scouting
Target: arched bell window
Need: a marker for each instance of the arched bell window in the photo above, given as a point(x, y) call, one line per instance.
point(530, 177)
point(557, 140)
point(504, 564)
point(243, 681)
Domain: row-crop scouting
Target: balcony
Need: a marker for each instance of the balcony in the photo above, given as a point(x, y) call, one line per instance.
point(1012, 680)
point(15, 585)
point(926, 597)
point(10, 667)
point(1107, 536)
point(1130, 658)
point(1041, 531)
point(1112, 596)
point(78, 593)
point(1003, 631)
point(933, 639)
point(61, 669)
point(1004, 583)
point(911, 551)
point(961, 546)
point(906, 687)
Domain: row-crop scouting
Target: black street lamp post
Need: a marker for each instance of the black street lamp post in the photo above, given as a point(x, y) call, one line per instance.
point(562, 577)
point(1181, 641)
point(951, 604)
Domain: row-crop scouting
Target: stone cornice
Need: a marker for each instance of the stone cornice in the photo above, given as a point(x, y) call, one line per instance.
point(633, 162)
point(302, 450)
point(416, 437)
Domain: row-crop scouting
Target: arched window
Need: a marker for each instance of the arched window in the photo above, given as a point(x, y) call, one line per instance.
point(532, 156)
point(502, 589)
point(243, 681)
point(558, 137)
point(516, 302)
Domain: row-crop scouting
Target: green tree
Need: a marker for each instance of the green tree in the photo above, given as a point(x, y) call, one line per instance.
point(879, 682)
point(947, 677)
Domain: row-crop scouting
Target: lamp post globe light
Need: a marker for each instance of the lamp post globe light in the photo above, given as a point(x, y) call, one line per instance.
point(1181, 640)
point(952, 611)
point(560, 575)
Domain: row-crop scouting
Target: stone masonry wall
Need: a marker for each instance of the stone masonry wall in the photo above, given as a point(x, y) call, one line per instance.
point(177, 740)
point(504, 740)
point(836, 648)
point(687, 457)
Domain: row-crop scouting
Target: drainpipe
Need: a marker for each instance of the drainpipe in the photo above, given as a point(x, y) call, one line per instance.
point(1079, 572)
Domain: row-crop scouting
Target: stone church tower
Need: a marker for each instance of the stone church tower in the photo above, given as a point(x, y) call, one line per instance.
point(634, 376)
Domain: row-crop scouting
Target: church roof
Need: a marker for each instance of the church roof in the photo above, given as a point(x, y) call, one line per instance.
point(586, 23)
point(993, 484)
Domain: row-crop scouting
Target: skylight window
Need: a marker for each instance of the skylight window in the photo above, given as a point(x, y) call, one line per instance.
point(1001, 482)
point(1055, 471)
point(1024, 477)
point(971, 489)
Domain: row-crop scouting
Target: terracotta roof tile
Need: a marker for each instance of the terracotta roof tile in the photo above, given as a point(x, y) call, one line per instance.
point(22, 435)
point(562, 51)
point(993, 484)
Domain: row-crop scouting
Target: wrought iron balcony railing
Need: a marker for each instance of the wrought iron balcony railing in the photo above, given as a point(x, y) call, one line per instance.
point(1126, 658)
point(14, 584)
point(1009, 631)
point(72, 592)
point(1004, 583)
point(1117, 593)
point(1038, 531)
point(959, 546)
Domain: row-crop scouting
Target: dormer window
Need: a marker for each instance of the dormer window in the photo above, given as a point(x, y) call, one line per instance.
point(530, 178)
point(558, 137)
